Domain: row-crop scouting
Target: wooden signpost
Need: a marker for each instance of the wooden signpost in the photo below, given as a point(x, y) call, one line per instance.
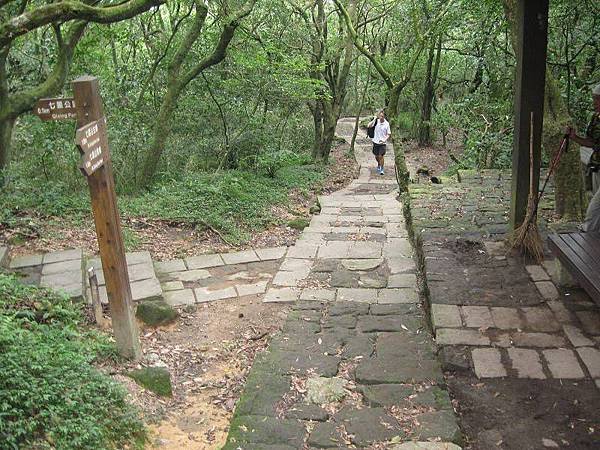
point(92, 140)
point(55, 109)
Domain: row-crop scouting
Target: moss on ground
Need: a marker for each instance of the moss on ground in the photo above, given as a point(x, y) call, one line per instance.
point(155, 379)
point(155, 313)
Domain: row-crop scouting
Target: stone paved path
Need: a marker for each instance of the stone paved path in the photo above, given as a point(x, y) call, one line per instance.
point(354, 366)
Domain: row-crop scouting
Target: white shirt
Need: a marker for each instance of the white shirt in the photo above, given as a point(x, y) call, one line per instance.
point(382, 131)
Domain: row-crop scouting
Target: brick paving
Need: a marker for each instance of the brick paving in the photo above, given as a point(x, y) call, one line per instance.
point(356, 320)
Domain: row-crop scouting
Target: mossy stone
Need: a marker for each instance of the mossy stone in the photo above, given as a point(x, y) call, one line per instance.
point(155, 379)
point(299, 223)
point(156, 312)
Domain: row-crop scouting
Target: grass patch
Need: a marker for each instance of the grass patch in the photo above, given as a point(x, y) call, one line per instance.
point(235, 203)
point(299, 223)
point(51, 396)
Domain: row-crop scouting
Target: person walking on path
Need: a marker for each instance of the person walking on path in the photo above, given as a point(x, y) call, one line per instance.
point(380, 137)
point(591, 140)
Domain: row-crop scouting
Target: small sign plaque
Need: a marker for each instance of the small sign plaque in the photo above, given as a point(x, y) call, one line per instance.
point(90, 139)
point(55, 109)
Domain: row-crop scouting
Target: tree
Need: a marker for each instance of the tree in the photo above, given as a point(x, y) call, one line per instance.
point(68, 20)
point(181, 72)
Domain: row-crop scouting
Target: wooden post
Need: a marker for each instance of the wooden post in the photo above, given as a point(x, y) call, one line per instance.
point(532, 40)
point(89, 108)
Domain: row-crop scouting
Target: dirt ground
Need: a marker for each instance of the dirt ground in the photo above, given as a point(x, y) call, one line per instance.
point(169, 240)
point(523, 414)
point(208, 351)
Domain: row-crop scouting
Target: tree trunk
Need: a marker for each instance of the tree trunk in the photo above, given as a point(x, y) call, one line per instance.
point(317, 113)
point(160, 133)
point(330, 117)
point(6, 129)
point(568, 185)
point(424, 133)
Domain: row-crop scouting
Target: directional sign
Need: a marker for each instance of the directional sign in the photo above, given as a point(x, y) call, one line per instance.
point(55, 109)
point(90, 139)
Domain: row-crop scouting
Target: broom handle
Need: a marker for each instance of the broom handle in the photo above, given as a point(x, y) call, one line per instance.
point(551, 168)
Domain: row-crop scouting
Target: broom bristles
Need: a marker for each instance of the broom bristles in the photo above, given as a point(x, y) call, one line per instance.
point(527, 237)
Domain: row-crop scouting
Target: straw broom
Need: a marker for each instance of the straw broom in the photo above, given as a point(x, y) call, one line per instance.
point(527, 237)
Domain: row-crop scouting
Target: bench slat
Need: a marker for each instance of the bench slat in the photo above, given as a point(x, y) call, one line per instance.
point(580, 258)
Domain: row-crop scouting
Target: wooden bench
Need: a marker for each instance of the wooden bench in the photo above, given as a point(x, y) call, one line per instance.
point(579, 253)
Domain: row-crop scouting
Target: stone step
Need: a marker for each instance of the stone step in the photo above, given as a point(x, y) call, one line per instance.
point(60, 270)
point(142, 277)
point(4, 257)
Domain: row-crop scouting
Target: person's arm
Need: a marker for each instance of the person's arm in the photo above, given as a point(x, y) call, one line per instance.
point(388, 134)
point(583, 141)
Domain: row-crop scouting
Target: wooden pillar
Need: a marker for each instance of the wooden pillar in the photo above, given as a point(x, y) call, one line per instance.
point(89, 108)
point(532, 39)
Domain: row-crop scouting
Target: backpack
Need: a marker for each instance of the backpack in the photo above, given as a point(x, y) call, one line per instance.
point(371, 130)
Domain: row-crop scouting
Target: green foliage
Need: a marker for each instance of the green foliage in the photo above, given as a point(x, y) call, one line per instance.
point(299, 223)
point(155, 379)
point(51, 397)
point(233, 202)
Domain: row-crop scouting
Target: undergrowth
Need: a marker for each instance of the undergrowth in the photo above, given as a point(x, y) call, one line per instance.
point(232, 202)
point(51, 396)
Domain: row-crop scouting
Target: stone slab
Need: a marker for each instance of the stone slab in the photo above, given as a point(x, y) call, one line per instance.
point(547, 290)
point(251, 289)
point(191, 275)
point(357, 295)
point(269, 254)
point(397, 296)
point(302, 250)
point(174, 265)
point(506, 318)
point(4, 256)
point(172, 286)
point(402, 280)
point(180, 297)
point(537, 273)
point(563, 363)
point(206, 295)
point(576, 336)
point(526, 362)
point(64, 255)
point(437, 425)
point(133, 258)
point(445, 316)
point(327, 295)
point(537, 340)
point(540, 319)
point(450, 336)
point(400, 265)
point(590, 321)
point(282, 295)
point(204, 261)
point(426, 446)
point(291, 279)
point(148, 289)
point(75, 265)
point(487, 363)
point(477, 317)
point(591, 359)
point(18, 262)
point(242, 257)
point(386, 370)
point(362, 264)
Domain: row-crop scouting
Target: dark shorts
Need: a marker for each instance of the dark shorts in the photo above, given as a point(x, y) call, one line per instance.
point(379, 149)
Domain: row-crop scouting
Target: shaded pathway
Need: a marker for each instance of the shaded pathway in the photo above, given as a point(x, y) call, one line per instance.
point(354, 366)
